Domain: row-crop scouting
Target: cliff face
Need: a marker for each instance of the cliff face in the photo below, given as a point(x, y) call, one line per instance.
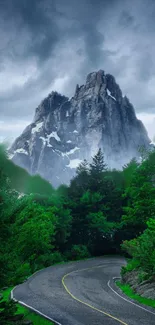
point(66, 131)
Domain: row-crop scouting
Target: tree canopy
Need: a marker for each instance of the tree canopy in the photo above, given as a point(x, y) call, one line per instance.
point(101, 212)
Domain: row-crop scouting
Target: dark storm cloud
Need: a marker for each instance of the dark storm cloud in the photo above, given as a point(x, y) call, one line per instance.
point(31, 17)
point(47, 45)
point(39, 30)
point(49, 22)
point(126, 19)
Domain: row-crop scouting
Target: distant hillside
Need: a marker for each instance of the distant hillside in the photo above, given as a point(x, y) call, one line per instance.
point(20, 179)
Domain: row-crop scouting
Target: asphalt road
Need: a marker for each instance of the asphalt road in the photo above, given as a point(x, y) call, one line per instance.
point(81, 293)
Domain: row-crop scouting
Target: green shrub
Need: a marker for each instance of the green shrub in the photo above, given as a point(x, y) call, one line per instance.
point(132, 265)
point(56, 257)
point(22, 272)
point(46, 260)
point(79, 252)
point(8, 310)
point(143, 276)
point(142, 248)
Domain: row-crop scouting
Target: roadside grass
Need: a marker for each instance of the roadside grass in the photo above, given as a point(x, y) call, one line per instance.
point(28, 315)
point(130, 293)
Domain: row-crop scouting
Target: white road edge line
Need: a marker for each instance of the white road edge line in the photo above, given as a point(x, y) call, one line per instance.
point(35, 310)
point(127, 299)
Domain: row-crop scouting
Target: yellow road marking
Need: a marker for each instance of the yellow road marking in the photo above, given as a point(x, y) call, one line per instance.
point(85, 303)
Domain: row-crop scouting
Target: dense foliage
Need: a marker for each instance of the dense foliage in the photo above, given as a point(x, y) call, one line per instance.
point(98, 213)
point(8, 310)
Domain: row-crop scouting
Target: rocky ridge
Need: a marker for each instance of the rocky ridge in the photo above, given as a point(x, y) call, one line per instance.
point(66, 131)
point(145, 288)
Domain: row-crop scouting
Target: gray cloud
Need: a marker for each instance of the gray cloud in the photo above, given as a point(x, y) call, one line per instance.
point(126, 19)
point(49, 45)
point(46, 23)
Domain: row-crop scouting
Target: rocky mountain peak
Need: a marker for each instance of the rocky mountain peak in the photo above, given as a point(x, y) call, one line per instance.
point(98, 84)
point(64, 132)
point(52, 102)
point(94, 82)
point(95, 78)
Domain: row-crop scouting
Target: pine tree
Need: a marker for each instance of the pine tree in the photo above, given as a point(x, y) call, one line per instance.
point(98, 164)
point(83, 168)
point(80, 182)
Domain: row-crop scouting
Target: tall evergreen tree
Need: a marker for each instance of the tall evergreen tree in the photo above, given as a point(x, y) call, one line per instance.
point(98, 164)
point(80, 182)
point(83, 167)
point(97, 167)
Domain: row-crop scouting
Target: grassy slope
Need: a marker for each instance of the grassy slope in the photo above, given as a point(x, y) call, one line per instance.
point(36, 319)
point(130, 293)
point(21, 180)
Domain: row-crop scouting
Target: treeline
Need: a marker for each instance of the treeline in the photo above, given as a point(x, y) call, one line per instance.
point(101, 212)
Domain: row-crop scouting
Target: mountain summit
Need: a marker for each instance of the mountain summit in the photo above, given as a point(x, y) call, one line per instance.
point(66, 131)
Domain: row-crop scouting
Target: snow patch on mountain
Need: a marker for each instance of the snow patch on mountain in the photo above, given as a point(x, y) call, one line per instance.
point(10, 156)
point(109, 94)
point(72, 151)
point(21, 150)
point(37, 128)
point(74, 163)
point(44, 140)
point(54, 135)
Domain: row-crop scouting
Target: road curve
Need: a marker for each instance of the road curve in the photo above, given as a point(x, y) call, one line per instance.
point(82, 293)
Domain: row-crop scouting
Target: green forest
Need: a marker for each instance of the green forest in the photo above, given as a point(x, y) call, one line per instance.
point(101, 212)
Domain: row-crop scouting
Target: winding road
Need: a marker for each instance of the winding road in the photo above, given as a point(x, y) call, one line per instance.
point(82, 293)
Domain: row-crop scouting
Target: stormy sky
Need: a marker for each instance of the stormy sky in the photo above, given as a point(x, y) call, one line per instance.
point(50, 45)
